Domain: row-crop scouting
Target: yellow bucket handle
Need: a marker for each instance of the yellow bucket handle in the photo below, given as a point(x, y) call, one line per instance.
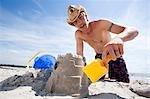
point(35, 55)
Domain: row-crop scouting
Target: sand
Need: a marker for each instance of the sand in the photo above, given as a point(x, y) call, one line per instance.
point(21, 83)
point(27, 89)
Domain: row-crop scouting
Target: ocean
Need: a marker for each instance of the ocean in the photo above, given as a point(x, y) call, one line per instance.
point(140, 76)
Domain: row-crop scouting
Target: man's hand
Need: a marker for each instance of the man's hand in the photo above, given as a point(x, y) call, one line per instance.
point(81, 57)
point(114, 48)
point(78, 56)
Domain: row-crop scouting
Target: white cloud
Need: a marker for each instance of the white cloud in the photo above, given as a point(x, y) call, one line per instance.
point(37, 2)
point(37, 11)
point(24, 38)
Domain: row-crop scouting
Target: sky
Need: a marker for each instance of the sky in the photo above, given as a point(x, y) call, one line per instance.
point(30, 26)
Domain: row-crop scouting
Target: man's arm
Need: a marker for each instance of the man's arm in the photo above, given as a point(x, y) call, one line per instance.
point(128, 34)
point(125, 33)
point(115, 46)
point(79, 44)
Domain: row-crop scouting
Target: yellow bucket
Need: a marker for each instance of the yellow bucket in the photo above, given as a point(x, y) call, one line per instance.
point(96, 69)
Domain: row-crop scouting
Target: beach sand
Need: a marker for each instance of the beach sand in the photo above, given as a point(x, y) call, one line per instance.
point(102, 90)
point(20, 83)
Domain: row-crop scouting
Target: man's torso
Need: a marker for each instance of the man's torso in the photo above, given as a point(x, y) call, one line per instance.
point(97, 38)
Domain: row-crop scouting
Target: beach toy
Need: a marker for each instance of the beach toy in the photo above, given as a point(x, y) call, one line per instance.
point(96, 69)
point(44, 61)
point(41, 61)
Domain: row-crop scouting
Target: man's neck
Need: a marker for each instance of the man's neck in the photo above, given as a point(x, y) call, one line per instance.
point(87, 30)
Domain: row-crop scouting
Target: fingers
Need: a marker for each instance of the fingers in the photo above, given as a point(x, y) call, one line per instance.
point(108, 50)
point(112, 53)
point(104, 57)
point(120, 46)
point(114, 50)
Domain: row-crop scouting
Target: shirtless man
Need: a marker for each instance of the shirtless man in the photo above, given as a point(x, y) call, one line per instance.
point(97, 35)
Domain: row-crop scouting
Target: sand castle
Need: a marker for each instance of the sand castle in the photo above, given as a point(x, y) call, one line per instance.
point(68, 78)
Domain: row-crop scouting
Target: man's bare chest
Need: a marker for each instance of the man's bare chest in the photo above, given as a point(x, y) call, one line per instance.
point(96, 37)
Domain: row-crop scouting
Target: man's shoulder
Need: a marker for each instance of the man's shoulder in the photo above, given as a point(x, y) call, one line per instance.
point(101, 23)
point(102, 20)
point(78, 33)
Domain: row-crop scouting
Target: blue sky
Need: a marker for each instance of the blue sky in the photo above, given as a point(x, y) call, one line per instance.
point(29, 26)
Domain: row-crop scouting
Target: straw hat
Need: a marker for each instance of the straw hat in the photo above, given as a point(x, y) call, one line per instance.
point(74, 12)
